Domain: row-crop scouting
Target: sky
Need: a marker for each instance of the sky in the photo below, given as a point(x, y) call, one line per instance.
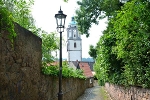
point(43, 12)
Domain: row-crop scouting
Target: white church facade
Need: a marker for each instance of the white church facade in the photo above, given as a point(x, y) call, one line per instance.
point(74, 42)
point(74, 51)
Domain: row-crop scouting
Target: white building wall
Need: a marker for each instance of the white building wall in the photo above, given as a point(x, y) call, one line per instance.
point(74, 42)
point(71, 45)
point(75, 55)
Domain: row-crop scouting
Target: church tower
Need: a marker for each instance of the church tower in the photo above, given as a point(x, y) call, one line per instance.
point(74, 42)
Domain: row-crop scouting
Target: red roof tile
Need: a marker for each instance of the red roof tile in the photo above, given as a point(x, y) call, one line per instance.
point(86, 69)
point(55, 63)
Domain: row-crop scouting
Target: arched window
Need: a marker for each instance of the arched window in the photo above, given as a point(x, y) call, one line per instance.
point(75, 45)
point(70, 33)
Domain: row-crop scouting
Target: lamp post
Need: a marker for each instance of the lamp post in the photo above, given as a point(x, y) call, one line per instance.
point(60, 20)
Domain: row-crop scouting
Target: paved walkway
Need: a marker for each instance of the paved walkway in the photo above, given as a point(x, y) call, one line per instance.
point(94, 93)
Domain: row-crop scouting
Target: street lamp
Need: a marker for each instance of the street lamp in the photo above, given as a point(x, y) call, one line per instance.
point(60, 20)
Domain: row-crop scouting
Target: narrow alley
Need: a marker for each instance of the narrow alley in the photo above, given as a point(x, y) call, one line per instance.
point(95, 93)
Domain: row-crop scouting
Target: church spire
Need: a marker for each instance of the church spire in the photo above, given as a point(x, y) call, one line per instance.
point(74, 42)
point(73, 22)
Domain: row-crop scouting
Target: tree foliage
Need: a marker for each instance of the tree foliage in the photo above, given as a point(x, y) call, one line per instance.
point(107, 66)
point(65, 0)
point(16, 11)
point(91, 11)
point(19, 11)
point(92, 51)
point(123, 50)
point(6, 23)
point(133, 40)
point(49, 44)
point(67, 72)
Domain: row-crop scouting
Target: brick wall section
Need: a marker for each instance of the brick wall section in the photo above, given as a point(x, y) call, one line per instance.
point(128, 93)
point(20, 71)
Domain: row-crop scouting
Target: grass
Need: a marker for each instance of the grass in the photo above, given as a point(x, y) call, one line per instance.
point(104, 94)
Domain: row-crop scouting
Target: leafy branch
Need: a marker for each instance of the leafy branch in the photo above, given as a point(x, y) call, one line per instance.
point(53, 70)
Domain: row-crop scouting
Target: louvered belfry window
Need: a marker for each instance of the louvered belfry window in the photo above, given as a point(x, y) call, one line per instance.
point(75, 45)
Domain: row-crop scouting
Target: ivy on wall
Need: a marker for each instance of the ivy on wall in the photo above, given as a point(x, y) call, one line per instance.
point(6, 22)
point(15, 11)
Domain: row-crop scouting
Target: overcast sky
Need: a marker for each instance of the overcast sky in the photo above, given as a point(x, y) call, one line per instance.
point(44, 11)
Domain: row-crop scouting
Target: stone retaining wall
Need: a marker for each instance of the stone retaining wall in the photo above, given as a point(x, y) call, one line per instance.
point(129, 93)
point(20, 71)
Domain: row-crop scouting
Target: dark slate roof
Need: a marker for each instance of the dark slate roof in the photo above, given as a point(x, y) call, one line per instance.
point(75, 63)
point(91, 65)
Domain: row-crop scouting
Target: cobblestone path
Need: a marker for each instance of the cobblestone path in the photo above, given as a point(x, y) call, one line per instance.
point(91, 94)
point(95, 93)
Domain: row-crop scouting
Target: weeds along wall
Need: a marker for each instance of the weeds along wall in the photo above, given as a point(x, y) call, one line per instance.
point(20, 71)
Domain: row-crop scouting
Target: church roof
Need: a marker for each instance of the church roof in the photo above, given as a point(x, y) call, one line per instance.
point(73, 22)
point(85, 67)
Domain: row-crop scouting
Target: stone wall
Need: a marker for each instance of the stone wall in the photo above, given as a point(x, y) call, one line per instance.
point(72, 88)
point(128, 93)
point(20, 71)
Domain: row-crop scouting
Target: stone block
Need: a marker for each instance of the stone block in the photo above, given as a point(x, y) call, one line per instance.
point(144, 99)
point(19, 61)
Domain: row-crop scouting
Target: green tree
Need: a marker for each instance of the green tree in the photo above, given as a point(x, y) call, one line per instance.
point(16, 11)
point(92, 52)
point(123, 50)
point(108, 68)
point(6, 22)
point(49, 44)
point(65, 0)
point(21, 12)
point(91, 11)
point(132, 26)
